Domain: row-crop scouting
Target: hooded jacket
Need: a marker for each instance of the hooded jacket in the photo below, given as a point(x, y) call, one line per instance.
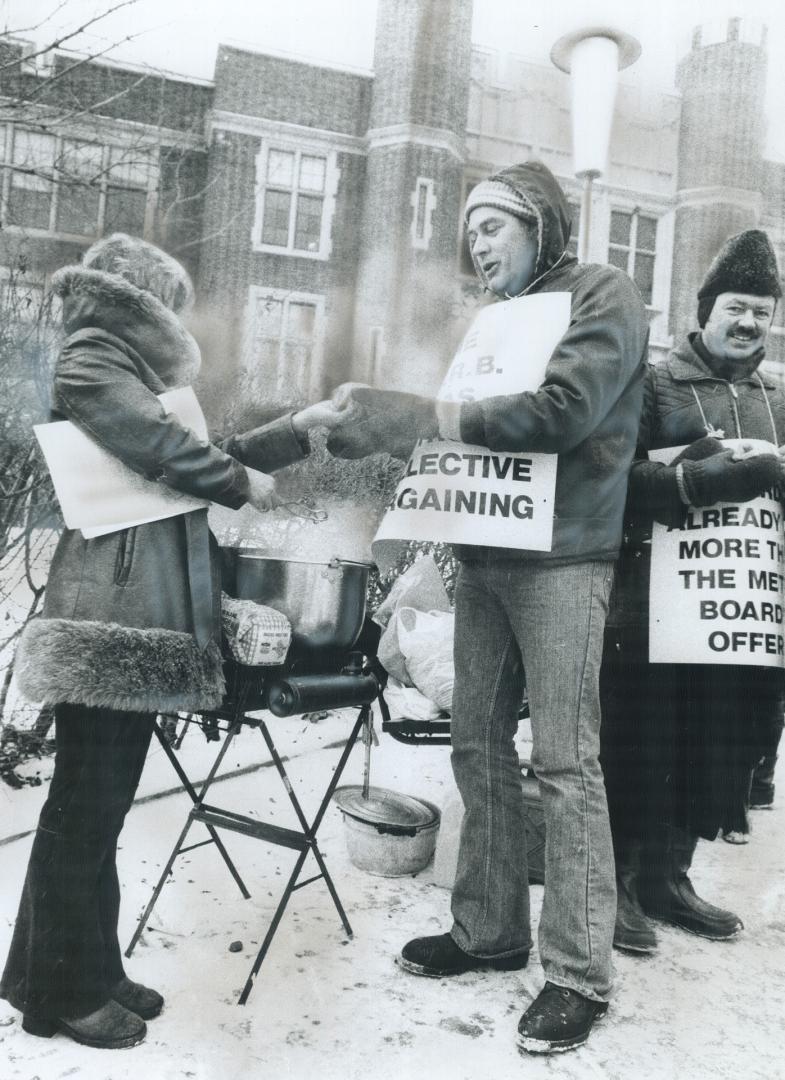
point(131, 620)
point(588, 406)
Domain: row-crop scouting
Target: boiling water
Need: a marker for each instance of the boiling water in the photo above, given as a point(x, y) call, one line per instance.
point(346, 533)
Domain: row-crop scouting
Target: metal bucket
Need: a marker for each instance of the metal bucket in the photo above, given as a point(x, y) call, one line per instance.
point(324, 601)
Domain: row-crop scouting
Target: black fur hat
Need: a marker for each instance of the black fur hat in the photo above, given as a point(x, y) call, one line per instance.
point(745, 263)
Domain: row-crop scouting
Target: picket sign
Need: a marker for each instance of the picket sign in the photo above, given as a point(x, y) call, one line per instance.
point(97, 492)
point(716, 591)
point(453, 492)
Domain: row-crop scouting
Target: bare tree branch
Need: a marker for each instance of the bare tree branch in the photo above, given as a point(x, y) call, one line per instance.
point(56, 44)
point(37, 26)
point(96, 106)
point(209, 236)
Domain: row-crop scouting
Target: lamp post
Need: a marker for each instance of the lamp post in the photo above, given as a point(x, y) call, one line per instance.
point(593, 58)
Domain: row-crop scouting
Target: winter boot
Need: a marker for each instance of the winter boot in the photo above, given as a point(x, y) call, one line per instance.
point(633, 931)
point(666, 892)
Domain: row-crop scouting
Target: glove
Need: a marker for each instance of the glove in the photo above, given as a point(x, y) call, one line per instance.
point(705, 447)
point(721, 479)
point(391, 423)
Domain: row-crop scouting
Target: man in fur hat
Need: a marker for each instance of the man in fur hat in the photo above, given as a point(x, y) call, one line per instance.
point(680, 740)
point(542, 610)
point(130, 627)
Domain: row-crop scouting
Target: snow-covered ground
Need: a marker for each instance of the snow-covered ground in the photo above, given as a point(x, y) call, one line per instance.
point(325, 1006)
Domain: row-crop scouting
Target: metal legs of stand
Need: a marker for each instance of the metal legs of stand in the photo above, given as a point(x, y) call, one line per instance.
point(302, 840)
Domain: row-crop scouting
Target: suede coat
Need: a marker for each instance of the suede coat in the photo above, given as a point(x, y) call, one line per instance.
point(588, 406)
point(131, 620)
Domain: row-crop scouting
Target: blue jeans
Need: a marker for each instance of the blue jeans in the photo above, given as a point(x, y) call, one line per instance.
point(548, 620)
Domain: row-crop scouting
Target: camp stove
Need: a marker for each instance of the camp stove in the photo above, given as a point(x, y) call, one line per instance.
point(330, 665)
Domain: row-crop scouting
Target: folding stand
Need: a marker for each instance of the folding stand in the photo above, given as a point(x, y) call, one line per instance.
point(302, 840)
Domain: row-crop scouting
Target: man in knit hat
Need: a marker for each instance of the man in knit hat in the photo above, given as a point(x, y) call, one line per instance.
point(542, 610)
point(679, 741)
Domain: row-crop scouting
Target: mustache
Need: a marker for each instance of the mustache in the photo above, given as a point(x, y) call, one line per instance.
point(745, 335)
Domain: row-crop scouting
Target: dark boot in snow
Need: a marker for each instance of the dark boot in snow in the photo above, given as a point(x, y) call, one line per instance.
point(666, 892)
point(633, 931)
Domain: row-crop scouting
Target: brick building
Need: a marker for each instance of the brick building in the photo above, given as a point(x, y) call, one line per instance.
point(319, 209)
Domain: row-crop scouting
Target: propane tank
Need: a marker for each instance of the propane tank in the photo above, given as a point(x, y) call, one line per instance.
point(309, 693)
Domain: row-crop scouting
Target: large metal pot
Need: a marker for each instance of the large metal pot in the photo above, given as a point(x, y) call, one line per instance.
point(324, 601)
point(388, 833)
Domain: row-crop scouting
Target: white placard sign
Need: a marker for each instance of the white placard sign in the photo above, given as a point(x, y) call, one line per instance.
point(716, 592)
point(452, 492)
point(96, 491)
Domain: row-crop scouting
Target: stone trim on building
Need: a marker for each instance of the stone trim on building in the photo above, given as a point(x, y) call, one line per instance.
point(417, 135)
point(297, 134)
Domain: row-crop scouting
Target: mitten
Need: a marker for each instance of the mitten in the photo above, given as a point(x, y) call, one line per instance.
point(721, 479)
point(392, 422)
point(370, 436)
point(705, 447)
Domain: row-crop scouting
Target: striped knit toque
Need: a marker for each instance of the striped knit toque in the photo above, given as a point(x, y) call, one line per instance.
point(502, 196)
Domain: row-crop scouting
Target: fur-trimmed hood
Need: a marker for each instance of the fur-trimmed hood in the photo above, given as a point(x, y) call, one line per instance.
point(97, 299)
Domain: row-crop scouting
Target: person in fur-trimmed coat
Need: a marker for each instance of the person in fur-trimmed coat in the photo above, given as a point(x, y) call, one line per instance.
point(130, 627)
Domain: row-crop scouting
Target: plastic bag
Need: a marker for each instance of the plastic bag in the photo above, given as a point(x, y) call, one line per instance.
point(426, 642)
point(408, 702)
point(420, 587)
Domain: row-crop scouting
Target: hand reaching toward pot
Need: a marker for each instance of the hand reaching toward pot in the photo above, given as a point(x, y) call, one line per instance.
point(328, 414)
point(261, 490)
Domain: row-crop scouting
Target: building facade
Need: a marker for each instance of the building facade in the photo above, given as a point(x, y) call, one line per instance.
point(319, 209)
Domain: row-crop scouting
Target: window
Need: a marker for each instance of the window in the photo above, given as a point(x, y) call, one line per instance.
point(296, 199)
point(126, 191)
point(423, 203)
point(632, 247)
point(74, 187)
point(79, 193)
point(284, 339)
point(466, 263)
point(31, 188)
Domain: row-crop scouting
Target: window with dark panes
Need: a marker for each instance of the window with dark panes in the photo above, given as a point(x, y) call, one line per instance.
point(294, 190)
point(74, 187)
point(31, 188)
point(632, 247)
point(80, 169)
point(126, 191)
